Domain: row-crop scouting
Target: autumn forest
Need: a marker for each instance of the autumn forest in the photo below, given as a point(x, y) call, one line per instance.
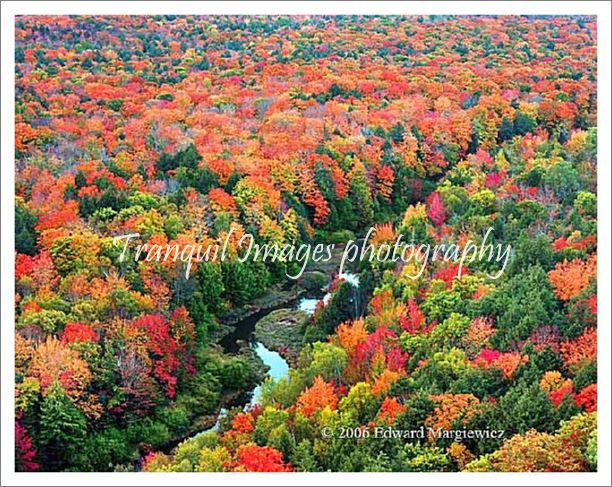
point(305, 130)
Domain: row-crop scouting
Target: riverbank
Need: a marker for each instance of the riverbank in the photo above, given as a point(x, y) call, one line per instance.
point(282, 330)
point(274, 298)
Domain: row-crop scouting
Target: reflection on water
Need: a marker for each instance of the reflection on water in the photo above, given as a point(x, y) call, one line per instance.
point(308, 305)
point(279, 367)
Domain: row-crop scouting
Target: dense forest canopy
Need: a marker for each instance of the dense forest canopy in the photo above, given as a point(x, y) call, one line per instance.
point(298, 130)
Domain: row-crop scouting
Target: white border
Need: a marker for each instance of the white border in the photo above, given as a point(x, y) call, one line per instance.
point(10, 9)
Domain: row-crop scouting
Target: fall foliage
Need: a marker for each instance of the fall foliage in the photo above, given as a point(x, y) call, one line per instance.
point(199, 130)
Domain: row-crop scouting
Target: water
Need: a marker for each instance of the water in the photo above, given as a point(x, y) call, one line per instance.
point(279, 367)
point(352, 279)
point(244, 330)
point(308, 305)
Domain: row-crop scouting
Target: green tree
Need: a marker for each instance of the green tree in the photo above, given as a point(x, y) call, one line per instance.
point(519, 305)
point(525, 407)
point(187, 157)
point(25, 233)
point(361, 197)
point(62, 429)
point(210, 285)
point(523, 123)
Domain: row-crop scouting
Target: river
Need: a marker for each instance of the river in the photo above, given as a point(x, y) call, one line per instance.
point(278, 367)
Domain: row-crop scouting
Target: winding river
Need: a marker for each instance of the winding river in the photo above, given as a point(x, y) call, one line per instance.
point(245, 332)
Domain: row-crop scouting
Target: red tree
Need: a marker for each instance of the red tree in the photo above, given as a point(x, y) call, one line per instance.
point(253, 458)
point(24, 452)
point(435, 209)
